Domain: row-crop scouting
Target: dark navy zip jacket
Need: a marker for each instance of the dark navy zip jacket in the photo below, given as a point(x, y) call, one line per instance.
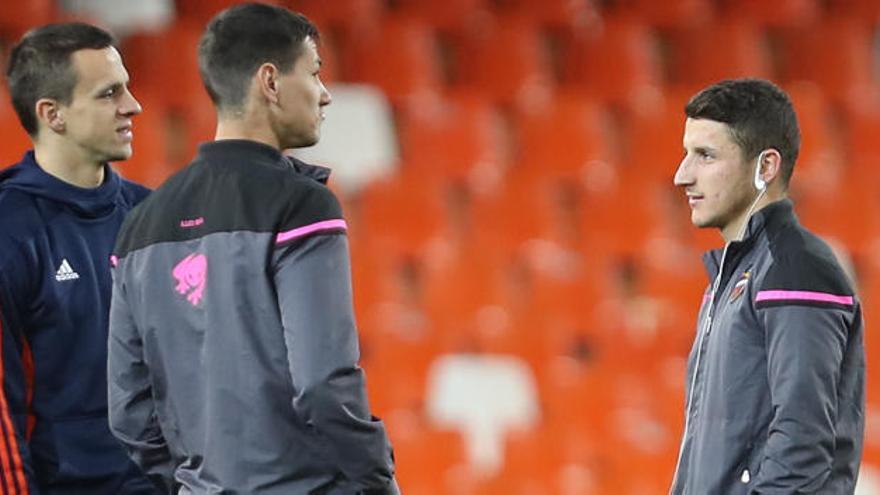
point(55, 245)
point(233, 348)
point(776, 378)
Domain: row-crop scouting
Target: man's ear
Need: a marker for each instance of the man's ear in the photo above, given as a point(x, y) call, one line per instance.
point(50, 113)
point(770, 167)
point(267, 81)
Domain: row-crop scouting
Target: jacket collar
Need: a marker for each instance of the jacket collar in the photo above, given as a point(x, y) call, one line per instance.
point(28, 176)
point(247, 150)
point(320, 174)
point(769, 219)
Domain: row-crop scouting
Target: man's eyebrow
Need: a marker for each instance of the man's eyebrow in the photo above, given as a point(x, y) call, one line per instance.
point(108, 87)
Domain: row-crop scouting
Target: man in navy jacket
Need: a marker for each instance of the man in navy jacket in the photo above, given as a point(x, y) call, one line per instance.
point(60, 210)
point(776, 377)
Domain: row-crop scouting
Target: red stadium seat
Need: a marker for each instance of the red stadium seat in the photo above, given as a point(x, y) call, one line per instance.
point(16, 19)
point(862, 147)
point(396, 369)
point(154, 71)
point(202, 11)
point(654, 134)
point(14, 141)
point(848, 214)
point(371, 275)
point(427, 459)
point(526, 208)
point(465, 118)
point(562, 137)
point(340, 15)
point(402, 214)
point(779, 13)
point(707, 53)
point(577, 14)
point(670, 13)
point(860, 9)
point(399, 56)
point(555, 459)
point(458, 289)
point(621, 218)
point(449, 15)
point(836, 54)
point(507, 61)
point(619, 63)
point(817, 144)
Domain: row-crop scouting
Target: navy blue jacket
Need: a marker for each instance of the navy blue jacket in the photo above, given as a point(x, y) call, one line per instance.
point(776, 378)
point(55, 245)
point(233, 348)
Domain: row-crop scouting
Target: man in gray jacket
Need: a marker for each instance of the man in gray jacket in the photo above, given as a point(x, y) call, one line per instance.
point(233, 349)
point(776, 378)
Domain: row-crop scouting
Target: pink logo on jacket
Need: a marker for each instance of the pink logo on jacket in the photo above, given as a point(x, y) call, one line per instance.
point(191, 274)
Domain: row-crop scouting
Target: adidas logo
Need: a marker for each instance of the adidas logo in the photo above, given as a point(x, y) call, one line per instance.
point(65, 272)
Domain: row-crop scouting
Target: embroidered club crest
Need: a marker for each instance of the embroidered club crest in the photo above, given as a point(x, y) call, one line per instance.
point(740, 286)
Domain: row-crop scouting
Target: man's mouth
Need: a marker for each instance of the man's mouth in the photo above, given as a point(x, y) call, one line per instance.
point(694, 199)
point(124, 132)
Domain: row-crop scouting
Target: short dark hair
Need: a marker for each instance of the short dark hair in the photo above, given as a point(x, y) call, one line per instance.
point(760, 116)
point(240, 39)
point(40, 66)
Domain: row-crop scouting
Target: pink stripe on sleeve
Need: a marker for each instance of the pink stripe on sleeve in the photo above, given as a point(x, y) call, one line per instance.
point(310, 229)
point(802, 295)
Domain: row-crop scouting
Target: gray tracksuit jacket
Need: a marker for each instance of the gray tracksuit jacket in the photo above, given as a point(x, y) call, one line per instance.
point(776, 379)
point(233, 351)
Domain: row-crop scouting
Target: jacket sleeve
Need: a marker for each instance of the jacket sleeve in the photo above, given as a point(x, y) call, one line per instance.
point(312, 278)
point(807, 316)
point(16, 370)
point(133, 419)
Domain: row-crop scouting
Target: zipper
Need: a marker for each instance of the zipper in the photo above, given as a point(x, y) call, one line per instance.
point(704, 332)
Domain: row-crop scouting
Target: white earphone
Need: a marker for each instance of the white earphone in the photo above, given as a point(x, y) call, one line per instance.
point(760, 184)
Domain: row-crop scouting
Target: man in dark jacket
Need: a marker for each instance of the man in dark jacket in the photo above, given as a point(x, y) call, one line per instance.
point(233, 350)
point(776, 378)
point(60, 211)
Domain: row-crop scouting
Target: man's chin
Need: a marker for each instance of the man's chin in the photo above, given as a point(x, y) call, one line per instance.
point(702, 223)
point(118, 156)
point(302, 143)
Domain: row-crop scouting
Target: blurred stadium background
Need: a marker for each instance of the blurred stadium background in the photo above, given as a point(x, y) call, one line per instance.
point(526, 277)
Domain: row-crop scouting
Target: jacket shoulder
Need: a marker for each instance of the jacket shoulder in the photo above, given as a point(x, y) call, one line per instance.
point(802, 261)
point(308, 202)
point(20, 224)
point(295, 197)
point(205, 198)
point(18, 213)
